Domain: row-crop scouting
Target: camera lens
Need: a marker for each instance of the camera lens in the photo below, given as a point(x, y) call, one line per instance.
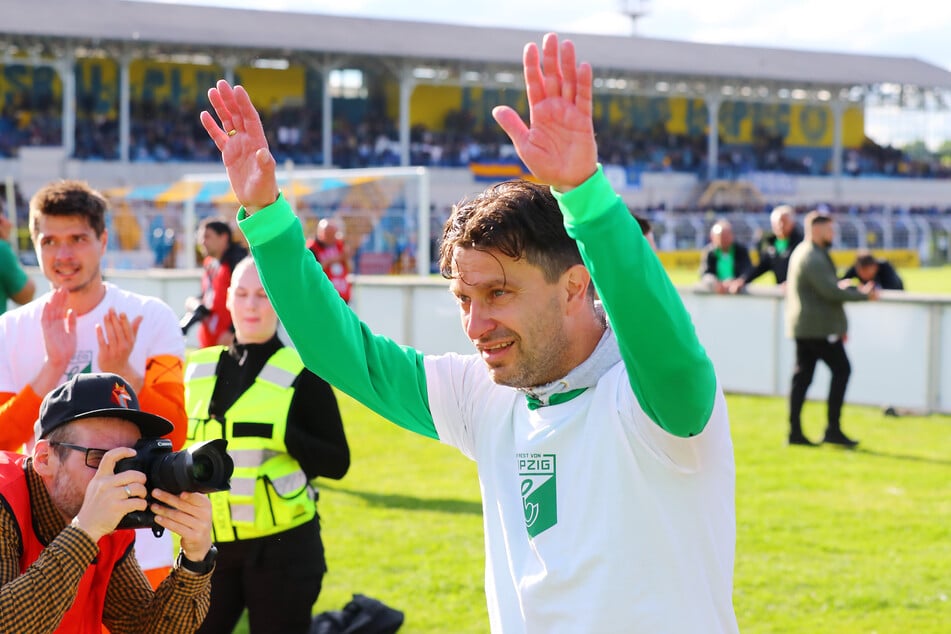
point(204, 467)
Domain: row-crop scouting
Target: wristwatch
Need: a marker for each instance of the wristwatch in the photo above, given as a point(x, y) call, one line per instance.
point(198, 567)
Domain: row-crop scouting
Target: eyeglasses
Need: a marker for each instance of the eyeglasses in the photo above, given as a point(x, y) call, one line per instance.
point(93, 456)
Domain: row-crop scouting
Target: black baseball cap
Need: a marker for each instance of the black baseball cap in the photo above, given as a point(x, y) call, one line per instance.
point(95, 395)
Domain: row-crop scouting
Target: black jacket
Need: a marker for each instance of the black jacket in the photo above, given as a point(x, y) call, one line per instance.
point(741, 261)
point(770, 259)
point(886, 277)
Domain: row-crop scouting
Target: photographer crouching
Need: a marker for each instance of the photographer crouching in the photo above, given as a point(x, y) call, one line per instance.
point(64, 566)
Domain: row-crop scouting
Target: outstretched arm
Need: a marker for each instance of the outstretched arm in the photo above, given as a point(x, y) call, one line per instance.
point(331, 340)
point(667, 367)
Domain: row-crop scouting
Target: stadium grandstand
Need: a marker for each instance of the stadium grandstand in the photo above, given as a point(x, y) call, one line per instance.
point(109, 91)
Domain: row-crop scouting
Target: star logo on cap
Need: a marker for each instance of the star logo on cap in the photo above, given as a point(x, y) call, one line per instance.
point(120, 396)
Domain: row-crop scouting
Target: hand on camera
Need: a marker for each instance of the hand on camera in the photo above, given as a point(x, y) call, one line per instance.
point(109, 495)
point(189, 515)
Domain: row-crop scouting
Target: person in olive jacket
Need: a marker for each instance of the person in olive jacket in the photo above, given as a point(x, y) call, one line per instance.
point(816, 319)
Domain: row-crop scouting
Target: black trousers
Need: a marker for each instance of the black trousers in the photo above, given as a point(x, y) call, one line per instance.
point(277, 578)
point(808, 353)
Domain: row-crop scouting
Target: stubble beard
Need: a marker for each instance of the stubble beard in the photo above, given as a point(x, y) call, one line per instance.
point(65, 495)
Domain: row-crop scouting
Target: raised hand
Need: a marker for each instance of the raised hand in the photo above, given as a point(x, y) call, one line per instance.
point(116, 335)
point(559, 145)
point(243, 145)
point(59, 329)
point(59, 340)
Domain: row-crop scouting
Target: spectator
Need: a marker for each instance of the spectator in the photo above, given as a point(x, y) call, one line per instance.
point(221, 253)
point(567, 408)
point(867, 268)
point(330, 250)
point(723, 260)
point(816, 319)
point(268, 530)
point(14, 283)
point(774, 249)
point(63, 565)
point(87, 325)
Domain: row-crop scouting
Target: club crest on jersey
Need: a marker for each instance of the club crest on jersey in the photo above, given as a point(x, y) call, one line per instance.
point(539, 494)
point(120, 396)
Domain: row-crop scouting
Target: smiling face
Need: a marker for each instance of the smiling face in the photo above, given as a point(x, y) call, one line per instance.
point(251, 312)
point(513, 316)
point(69, 252)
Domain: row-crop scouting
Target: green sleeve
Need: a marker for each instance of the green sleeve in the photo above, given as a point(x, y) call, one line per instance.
point(670, 373)
point(12, 275)
point(333, 343)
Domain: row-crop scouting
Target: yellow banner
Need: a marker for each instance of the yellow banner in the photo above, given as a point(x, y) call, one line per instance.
point(272, 88)
point(97, 88)
point(27, 89)
point(174, 84)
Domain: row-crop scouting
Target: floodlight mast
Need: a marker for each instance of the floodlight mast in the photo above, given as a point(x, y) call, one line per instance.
point(635, 10)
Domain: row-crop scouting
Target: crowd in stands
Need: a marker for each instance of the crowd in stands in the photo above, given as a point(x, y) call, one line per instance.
point(165, 132)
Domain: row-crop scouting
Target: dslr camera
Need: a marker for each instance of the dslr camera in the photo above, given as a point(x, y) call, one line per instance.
point(204, 467)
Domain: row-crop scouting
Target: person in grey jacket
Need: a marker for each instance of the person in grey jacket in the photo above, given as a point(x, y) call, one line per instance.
point(816, 319)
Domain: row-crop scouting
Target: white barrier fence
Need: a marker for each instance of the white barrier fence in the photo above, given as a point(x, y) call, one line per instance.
point(899, 347)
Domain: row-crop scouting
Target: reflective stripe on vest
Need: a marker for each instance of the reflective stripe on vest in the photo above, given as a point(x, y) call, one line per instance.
point(269, 491)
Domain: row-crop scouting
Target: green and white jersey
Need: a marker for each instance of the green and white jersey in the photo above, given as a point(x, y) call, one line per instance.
point(596, 519)
point(610, 512)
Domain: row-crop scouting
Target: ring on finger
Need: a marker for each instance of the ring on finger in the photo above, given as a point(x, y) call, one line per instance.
point(128, 491)
point(232, 132)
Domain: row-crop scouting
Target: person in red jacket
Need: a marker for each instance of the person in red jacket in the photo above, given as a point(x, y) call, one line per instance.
point(331, 251)
point(64, 566)
point(222, 253)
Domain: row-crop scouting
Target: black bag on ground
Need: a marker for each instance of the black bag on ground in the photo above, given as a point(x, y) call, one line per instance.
point(362, 615)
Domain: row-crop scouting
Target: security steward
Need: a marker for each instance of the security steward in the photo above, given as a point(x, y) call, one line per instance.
point(284, 429)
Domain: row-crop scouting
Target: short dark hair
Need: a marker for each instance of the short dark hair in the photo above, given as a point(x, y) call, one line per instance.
point(518, 218)
point(865, 258)
point(218, 225)
point(69, 198)
point(817, 217)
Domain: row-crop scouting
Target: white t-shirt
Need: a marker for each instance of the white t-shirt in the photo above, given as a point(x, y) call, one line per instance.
point(595, 519)
point(22, 354)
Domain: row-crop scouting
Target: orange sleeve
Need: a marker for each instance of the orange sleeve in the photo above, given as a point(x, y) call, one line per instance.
point(18, 412)
point(163, 393)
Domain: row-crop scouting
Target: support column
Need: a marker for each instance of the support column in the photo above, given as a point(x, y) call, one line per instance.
point(327, 106)
point(838, 110)
point(67, 75)
point(407, 84)
point(713, 135)
point(125, 108)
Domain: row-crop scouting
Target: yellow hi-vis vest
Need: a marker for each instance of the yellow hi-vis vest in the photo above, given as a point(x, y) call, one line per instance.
point(270, 493)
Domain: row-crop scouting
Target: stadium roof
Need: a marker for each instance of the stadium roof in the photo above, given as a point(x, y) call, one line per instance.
point(149, 28)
